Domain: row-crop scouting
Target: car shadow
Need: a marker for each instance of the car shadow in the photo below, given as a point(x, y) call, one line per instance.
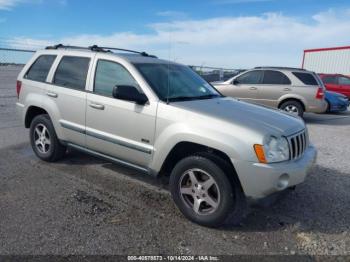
point(75, 157)
point(320, 204)
point(331, 119)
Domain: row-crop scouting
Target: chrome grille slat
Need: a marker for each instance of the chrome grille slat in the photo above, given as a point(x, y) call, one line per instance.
point(299, 147)
point(297, 144)
point(302, 142)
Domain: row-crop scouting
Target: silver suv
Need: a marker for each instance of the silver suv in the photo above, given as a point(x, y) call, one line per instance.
point(160, 117)
point(291, 89)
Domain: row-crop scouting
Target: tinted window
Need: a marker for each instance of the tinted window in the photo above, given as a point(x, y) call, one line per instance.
point(275, 78)
point(176, 82)
point(72, 72)
point(306, 78)
point(110, 74)
point(344, 80)
point(329, 80)
point(40, 68)
point(252, 77)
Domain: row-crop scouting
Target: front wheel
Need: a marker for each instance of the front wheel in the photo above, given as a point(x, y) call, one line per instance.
point(203, 192)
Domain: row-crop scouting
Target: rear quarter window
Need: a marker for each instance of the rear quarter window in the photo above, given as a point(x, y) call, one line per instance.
point(306, 78)
point(72, 72)
point(40, 68)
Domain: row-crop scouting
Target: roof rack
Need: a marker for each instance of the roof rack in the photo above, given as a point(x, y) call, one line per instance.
point(97, 48)
point(279, 67)
point(128, 50)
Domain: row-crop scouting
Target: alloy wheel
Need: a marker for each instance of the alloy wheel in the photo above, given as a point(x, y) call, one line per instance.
point(42, 138)
point(199, 191)
point(292, 109)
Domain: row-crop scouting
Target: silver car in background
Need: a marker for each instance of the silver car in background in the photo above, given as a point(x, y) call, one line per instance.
point(291, 89)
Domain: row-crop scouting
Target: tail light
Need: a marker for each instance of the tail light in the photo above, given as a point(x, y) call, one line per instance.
point(18, 88)
point(320, 93)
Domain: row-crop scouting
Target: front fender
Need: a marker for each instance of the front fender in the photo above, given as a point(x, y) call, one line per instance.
point(180, 132)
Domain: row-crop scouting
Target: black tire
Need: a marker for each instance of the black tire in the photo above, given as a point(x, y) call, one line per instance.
point(55, 150)
point(293, 104)
point(231, 202)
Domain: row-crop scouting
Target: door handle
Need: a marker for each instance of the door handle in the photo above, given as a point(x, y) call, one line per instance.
point(287, 89)
point(97, 106)
point(252, 88)
point(52, 94)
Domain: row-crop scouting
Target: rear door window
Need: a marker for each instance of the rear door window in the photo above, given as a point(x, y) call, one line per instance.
point(40, 68)
point(272, 77)
point(306, 78)
point(251, 77)
point(72, 72)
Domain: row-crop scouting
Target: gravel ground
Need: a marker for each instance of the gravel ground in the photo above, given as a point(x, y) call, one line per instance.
point(83, 205)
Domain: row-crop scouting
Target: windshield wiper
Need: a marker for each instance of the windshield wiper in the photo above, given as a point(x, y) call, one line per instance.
point(188, 98)
point(208, 96)
point(181, 98)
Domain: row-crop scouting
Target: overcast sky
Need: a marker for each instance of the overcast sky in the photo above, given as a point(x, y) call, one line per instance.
point(223, 33)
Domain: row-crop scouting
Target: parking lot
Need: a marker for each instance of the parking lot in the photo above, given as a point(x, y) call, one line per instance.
point(84, 205)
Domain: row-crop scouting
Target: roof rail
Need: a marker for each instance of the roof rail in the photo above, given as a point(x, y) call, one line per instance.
point(128, 50)
point(279, 67)
point(97, 48)
point(66, 46)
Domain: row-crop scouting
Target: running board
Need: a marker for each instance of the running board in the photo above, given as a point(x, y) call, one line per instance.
point(109, 158)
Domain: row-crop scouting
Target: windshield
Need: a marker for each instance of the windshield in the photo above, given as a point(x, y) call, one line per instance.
point(173, 82)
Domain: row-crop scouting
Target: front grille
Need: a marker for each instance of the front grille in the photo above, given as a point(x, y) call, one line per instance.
point(297, 144)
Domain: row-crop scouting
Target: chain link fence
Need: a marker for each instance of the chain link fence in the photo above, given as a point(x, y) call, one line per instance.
point(212, 74)
point(14, 57)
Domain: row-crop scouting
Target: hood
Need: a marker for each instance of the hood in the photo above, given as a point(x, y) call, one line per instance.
point(217, 82)
point(240, 113)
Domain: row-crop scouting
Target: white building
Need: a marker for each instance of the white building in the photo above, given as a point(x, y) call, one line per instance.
point(333, 60)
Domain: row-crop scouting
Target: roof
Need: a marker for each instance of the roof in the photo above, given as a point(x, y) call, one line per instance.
point(129, 55)
point(326, 49)
point(280, 68)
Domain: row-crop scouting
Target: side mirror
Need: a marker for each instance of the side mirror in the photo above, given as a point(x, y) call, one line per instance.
point(235, 82)
point(129, 93)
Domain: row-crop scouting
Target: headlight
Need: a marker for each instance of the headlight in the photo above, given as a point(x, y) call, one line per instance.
point(274, 150)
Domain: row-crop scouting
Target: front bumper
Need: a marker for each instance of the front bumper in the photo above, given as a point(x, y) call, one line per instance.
point(338, 108)
point(261, 180)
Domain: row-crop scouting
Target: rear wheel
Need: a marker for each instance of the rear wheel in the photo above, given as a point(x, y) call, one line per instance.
point(293, 107)
point(44, 140)
point(203, 192)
